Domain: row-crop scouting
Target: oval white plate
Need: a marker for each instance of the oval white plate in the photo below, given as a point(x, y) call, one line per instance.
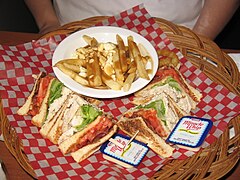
point(68, 46)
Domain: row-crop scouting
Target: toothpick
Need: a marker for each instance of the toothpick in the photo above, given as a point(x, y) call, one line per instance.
point(133, 137)
point(116, 143)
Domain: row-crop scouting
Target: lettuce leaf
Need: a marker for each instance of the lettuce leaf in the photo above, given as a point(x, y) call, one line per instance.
point(171, 82)
point(89, 114)
point(159, 106)
point(55, 91)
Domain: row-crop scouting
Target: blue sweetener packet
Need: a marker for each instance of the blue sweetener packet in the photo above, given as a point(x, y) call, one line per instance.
point(127, 156)
point(190, 132)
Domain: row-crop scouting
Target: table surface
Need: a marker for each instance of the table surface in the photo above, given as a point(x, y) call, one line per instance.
point(14, 170)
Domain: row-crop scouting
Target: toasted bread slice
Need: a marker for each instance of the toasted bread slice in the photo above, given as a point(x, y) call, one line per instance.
point(68, 144)
point(192, 96)
point(39, 118)
point(27, 105)
point(52, 123)
point(88, 150)
point(51, 128)
point(145, 135)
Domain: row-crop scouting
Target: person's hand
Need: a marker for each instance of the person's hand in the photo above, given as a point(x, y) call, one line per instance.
point(44, 15)
point(214, 17)
point(48, 28)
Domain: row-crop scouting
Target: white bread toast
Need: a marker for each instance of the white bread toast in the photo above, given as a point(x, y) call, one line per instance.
point(26, 106)
point(52, 123)
point(51, 128)
point(88, 150)
point(67, 144)
point(146, 94)
point(145, 135)
point(39, 118)
point(167, 112)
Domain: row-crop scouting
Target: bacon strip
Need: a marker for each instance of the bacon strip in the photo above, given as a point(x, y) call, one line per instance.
point(95, 133)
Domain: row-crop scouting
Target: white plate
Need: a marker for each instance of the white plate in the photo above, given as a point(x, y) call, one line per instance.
point(103, 34)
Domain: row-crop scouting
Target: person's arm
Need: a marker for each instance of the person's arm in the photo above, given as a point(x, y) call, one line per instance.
point(44, 15)
point(214, 16)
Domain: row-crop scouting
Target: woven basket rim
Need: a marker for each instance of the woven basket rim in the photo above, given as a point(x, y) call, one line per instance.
point(214, 161)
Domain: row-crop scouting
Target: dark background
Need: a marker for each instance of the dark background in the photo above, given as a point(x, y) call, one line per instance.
point(15, 16)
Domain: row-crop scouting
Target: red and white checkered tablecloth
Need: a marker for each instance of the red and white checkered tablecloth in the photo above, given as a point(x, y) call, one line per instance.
point(18, 63)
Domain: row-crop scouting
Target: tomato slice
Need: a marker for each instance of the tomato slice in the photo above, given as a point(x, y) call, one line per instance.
point(43, 86)
point(95, 133)
point(38, 98)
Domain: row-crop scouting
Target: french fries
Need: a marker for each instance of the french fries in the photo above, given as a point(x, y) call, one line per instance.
point(94, 72)
point(90, 40)
point(108, 65)
point(117, 67)
point(128, 82)
point(133, 48)
point(73, 67)
point(72, 74)
point(114, 85)
point(122, 53)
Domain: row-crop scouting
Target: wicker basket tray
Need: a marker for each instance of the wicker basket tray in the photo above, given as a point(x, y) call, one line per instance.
point(211, 163)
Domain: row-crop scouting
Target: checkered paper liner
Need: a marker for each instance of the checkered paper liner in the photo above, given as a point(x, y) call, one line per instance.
point(18, 63)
